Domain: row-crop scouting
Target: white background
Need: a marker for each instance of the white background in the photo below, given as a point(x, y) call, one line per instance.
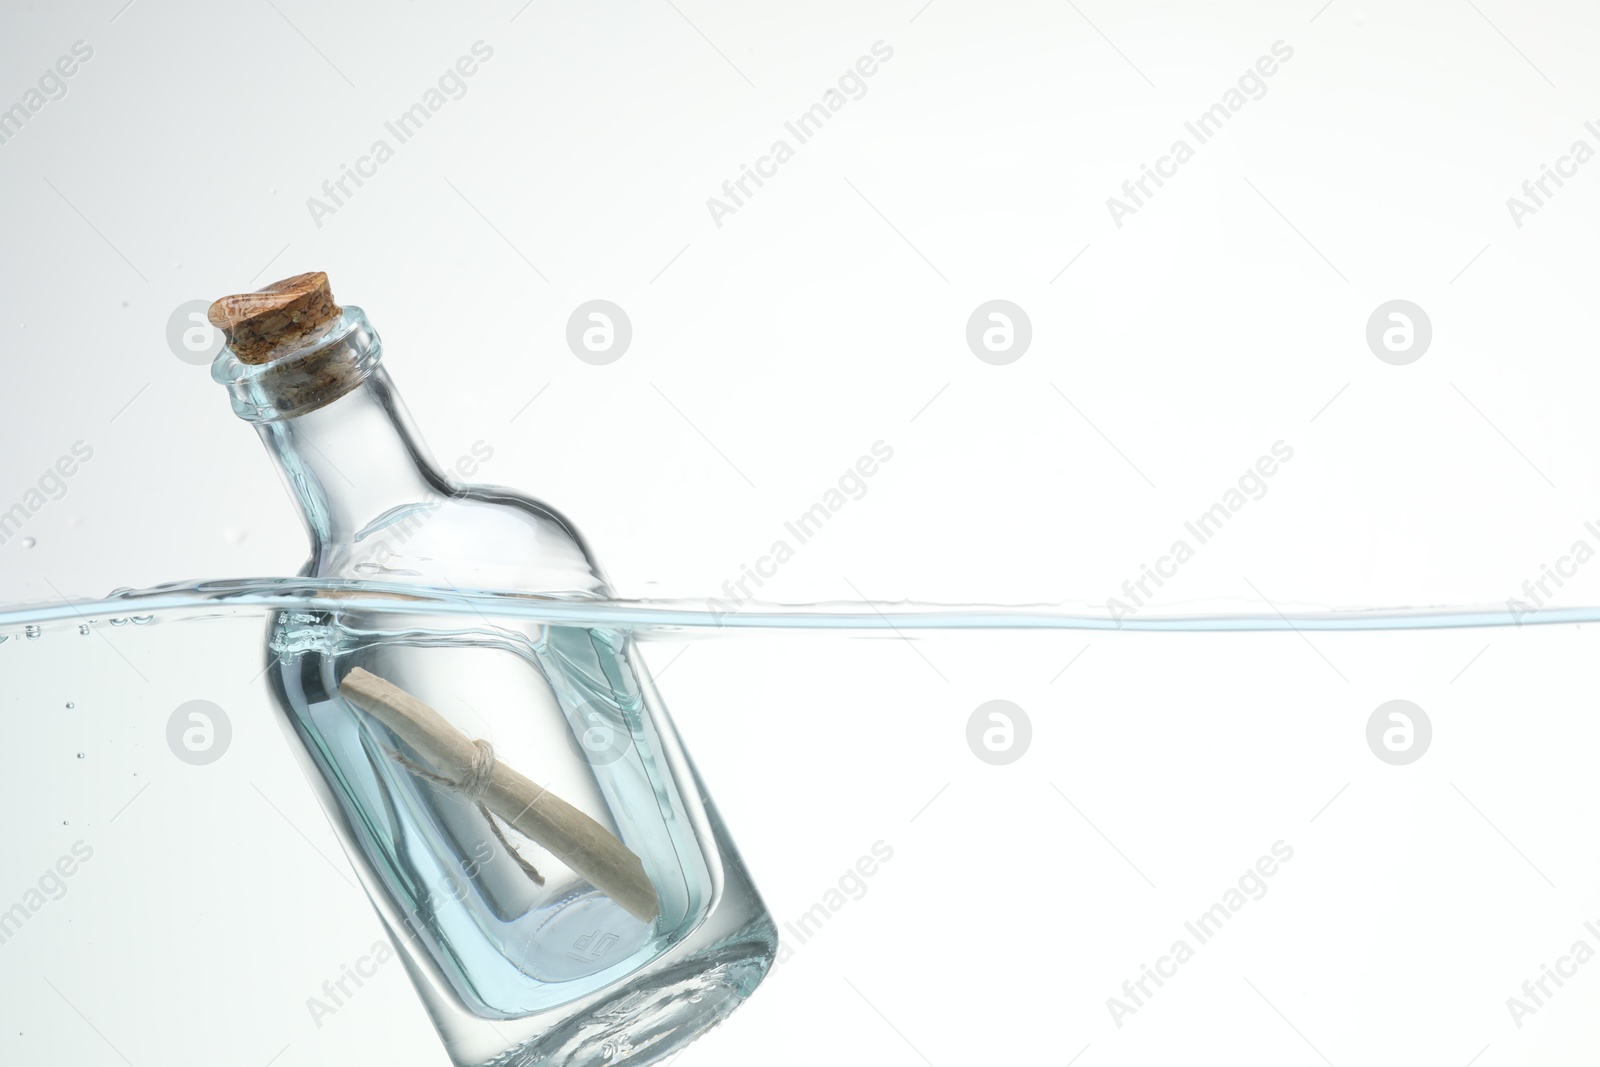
point(829, 313)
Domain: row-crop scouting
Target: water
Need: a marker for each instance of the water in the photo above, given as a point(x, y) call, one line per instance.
point(644, 617)
point(1193, 742)
point(497, 927)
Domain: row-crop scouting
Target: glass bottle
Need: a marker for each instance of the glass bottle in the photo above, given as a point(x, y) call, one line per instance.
point(517, 957)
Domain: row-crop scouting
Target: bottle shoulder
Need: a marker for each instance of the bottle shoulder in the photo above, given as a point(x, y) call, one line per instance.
point(470, 536)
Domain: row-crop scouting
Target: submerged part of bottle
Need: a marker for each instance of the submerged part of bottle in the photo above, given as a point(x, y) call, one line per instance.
point(519, 958)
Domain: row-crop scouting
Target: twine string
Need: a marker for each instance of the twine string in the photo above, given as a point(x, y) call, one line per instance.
point(473, 785)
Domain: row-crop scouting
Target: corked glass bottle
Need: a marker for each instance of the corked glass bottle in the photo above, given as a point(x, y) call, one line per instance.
point(516, 949)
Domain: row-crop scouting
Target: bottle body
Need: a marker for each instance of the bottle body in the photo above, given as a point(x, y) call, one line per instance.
point(517, 956)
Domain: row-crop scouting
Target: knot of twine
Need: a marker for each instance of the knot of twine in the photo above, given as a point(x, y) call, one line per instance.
point(473, 785)
point(476, 781)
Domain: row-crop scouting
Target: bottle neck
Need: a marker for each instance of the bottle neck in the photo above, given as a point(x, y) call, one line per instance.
point(375, 504)
point(354, 461)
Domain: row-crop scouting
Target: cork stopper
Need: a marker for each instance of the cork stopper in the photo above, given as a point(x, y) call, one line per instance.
point(291, 349)
point(278, 318)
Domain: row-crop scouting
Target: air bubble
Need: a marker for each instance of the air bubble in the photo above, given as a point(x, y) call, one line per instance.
point(119, 622)
point(143, 620)
point(83, 629)
point(32, 632)
point(70, 705)
point(80, 755)
point(29, 542)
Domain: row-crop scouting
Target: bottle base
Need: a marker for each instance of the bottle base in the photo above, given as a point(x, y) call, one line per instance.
point(653, 1016)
